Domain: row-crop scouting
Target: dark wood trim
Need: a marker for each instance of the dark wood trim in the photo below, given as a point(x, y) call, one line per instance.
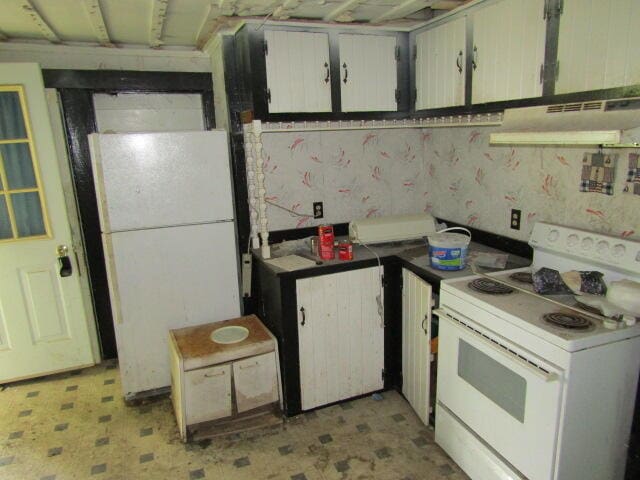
point(131, 81)
point(76, 88)
point(79, 117)
point(208, 110)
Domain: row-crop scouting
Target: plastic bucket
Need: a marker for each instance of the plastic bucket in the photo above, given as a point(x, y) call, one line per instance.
point(448, 251)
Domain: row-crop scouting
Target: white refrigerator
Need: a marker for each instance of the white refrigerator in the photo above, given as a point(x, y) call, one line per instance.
point(166, 215)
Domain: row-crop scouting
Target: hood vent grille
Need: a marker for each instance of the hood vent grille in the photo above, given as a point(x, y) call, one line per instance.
point(574, 107)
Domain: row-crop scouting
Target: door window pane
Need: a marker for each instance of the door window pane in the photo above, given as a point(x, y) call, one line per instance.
point(28, 213)
point(5, 223)
point(18, 166)
point(498, 383)
point(11, 118)
point(22, 209)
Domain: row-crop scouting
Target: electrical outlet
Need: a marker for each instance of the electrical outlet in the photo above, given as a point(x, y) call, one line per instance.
point(515, 219)
point(318, 210)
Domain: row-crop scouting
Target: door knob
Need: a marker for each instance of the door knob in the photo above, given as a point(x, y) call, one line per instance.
point(63, 259)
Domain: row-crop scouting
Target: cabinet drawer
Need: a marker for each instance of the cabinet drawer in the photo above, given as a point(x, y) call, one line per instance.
point(255, 381)
point(207, 394)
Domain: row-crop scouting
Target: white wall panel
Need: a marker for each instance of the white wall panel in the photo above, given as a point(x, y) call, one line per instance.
point(296, 71)
point(597, 46)
point(148, 112)
point(439, 81)
point(416, 347)
point(509, 40)
point(368, 63)
point(341, 343)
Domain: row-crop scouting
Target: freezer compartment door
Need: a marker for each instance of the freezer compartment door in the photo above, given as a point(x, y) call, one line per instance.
point(167, 278)
point(149, 180)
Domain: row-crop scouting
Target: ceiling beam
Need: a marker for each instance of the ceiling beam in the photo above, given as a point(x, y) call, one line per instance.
point(158, 15)
point(403, 9)
point(282, 12)
point(227, 7)
point(97, 22)
point(36, 18)
point(210, 24)
point(343, 8)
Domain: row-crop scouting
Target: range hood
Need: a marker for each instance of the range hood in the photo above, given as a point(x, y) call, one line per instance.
point(582, 123)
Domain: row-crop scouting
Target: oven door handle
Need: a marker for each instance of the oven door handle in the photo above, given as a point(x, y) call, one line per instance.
point(532, 367)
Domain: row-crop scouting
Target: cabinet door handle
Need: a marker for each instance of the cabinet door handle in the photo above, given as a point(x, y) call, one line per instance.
point(541, 74)
point(424, 321)
point(346, 72)
point(304, 317)
point(474, 58)
point(459, 61)
point(211, 375)
point(254, 364)
point(328, 77)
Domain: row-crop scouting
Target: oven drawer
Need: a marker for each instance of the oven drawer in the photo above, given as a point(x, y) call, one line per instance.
point(505, 395)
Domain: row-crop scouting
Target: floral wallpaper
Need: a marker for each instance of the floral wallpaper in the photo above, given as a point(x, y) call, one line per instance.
point(451, 172)
point(474, 183)
point(356, 173)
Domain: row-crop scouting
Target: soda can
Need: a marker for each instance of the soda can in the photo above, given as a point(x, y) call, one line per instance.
point(345, 250)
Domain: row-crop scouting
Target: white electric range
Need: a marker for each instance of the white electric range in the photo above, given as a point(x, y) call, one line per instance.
point(520, 396)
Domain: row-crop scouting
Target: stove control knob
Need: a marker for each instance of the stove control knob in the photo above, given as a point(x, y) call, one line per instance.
point(553, 235)
point(602, 247)
point(572, 240)
point(587, 243)
point(618, 250)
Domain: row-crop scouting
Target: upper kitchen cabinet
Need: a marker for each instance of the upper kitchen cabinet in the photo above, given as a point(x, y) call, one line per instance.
point(440, 65)
point(298, 72)
point(598, 45)
point(508, 50)
point(368, 73)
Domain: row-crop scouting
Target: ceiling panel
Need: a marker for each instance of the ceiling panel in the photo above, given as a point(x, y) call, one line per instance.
point(178, 23)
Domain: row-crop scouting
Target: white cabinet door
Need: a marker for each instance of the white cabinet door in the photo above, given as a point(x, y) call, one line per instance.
point(598, 45)
point(416, 343)
point(368, 73)
point(207, 394)
point(340, 335)
point(298, 74)
point(256, 381)
point(508, 51)
point(440, 65)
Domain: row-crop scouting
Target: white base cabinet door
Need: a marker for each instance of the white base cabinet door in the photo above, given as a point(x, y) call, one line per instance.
point(298, 74)
point(416, 343)
point(207, 394)
point(598, 45)
point(368, 73)
point(340, 335)
point(508, 50)
point(440, 65)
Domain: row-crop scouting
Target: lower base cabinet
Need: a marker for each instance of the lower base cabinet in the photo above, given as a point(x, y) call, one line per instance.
point(341, 335)
point(416, 343)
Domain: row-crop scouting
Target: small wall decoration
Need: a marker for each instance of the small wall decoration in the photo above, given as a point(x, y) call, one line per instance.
point(597, 173)
point(633, 175)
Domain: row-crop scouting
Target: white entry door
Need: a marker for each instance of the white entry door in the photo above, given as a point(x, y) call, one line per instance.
point(43, 326)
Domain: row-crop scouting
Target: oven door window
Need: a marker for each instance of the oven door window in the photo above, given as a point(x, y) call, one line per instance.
point(501, 385)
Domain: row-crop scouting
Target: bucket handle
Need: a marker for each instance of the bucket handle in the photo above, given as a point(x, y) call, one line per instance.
point(456, 229)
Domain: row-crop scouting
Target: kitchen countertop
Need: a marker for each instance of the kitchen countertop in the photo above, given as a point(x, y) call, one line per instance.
point(412, 253)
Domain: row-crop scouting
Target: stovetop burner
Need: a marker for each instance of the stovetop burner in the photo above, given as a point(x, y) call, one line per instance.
point(485, 285)
point(567, 320)
point(524, 277)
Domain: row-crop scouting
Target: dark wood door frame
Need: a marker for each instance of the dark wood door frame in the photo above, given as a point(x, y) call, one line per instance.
point(76, 89)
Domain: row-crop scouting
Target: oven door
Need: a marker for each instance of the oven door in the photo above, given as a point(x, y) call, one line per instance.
point(504, 394)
